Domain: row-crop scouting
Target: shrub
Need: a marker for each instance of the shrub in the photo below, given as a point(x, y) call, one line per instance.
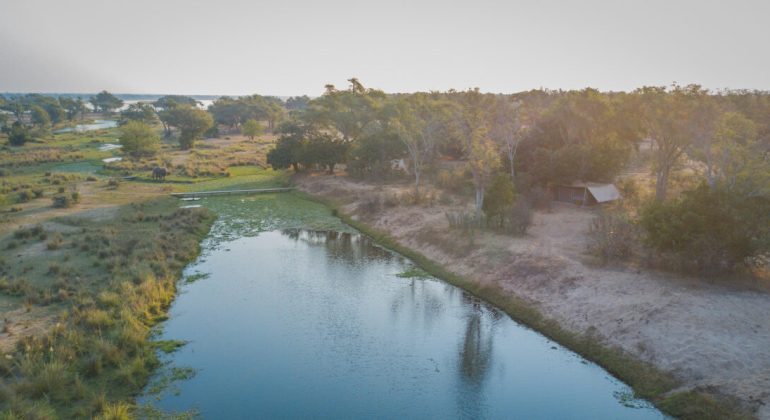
point(612, 236)
point(519, 218)
point(24, 196)
point(139, 139)
point(710, 230)
point(499, 200)
point(62, 200)
point(55, 242)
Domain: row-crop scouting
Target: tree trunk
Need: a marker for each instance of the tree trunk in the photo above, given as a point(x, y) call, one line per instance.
point(661, 183)
point(479, 200)
point(416, 182)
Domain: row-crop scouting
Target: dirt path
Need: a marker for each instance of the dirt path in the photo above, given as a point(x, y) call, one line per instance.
point(710, 336)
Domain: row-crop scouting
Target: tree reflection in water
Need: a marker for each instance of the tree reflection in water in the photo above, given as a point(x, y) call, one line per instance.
point(475, 355)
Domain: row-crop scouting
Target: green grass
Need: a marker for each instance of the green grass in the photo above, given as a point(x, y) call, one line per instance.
point(115, 280)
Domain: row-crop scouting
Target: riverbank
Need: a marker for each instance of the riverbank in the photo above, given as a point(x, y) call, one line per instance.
point(692, 348)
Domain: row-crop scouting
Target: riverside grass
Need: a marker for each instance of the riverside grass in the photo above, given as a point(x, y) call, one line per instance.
point(648, 382)
point(99, 355)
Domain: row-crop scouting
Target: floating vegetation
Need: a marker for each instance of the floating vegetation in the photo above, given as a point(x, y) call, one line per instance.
point(168, 346)
point(414, 272)
point(192, 278)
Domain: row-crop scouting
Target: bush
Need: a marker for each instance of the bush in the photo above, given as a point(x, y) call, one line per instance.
point(24, 196)
point(710, 230)
point(499, 200)
point(519, 218)
point(612, 236)
point(139, 139)
point(62, 200)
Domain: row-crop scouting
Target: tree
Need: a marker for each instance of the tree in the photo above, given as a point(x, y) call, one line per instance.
point(251, 129)
point(667, 121)
point(348, 112)
point(73, 107)
point(473, 124)
point(499, 201)
point(418, 122)
point(105, 102)
point(139, 112)
point(738, 159)
point(508, 129)
point(192, 123)
point(710, 229)
point(324, 149)
point(18, 134)
point(139, 139)
point(39, 116)
point(297, 102)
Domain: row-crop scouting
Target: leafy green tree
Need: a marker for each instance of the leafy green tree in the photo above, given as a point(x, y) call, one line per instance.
point(419, 122)
point(499, 200)
point(105, 102)
point(192, 123)
point(73, 107)
point(325, 150)
point(39, 116)
point(710, 229)
point(289, 147)
point(139, 112)
point(473, 120)
point(347, 112)
point(297, 102)
point(18, 134)
point(251, 129)
point(668, 117)
point(139, 139)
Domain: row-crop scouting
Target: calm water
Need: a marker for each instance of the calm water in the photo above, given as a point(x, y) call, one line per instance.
point(96, 125)
point(294, 323)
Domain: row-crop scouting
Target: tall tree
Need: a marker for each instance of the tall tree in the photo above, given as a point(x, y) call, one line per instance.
point(481, 152)
point(251, 129)
point(105, 102)
point(508, 129)
point(667, 120)
point(192, 123)
point(418, 123)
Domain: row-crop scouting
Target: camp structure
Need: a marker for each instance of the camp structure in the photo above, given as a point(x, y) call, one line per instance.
point(585, 193)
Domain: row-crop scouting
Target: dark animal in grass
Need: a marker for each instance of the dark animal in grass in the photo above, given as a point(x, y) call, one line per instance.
point(158, 173)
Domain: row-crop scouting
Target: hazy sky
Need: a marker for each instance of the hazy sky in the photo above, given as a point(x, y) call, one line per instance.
point(290, 47)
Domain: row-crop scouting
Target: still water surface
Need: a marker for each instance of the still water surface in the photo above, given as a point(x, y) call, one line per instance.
point(96, 125)
point(295, 323)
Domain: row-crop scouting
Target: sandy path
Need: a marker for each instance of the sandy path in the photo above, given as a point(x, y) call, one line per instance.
point(708, 335)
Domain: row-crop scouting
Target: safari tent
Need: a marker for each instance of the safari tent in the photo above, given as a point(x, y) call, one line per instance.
point(586, 193)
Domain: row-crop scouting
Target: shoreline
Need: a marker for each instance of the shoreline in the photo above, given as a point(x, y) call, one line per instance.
point(661, 388)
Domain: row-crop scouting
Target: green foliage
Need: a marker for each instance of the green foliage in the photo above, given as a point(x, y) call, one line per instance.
point(251, 129)
point(105, 102)
point(64, 200)
point(499, 200)
point(710, 230)
point(139, 112)
point(39, 116)
point(192, 122)
point(18, 134)
point(579, 137)
point(139, 139)
point(612, 236)
point(233, 112)
point(288, 148)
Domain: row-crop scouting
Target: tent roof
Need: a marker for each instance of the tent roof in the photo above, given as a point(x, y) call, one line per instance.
point(601, 192)
point(604, 192)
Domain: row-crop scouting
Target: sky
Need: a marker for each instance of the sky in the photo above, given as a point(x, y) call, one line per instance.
point(295, 47)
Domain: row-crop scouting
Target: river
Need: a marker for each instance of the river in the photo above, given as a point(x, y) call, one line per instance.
point(303, 317)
